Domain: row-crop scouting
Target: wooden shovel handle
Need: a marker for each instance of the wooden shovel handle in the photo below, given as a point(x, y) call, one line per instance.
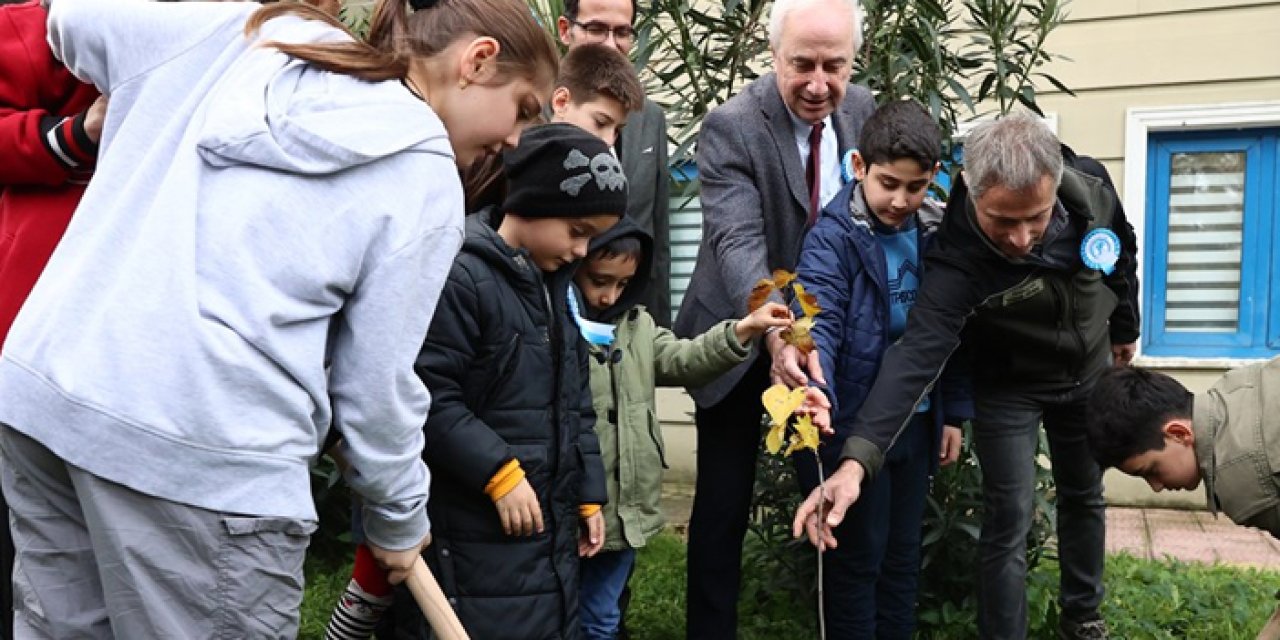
point(430, 598)
point(1272, 630)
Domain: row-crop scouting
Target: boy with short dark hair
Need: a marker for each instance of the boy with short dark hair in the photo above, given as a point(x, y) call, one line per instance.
point(862, 260)
point(1146, 424)
point(631, 357)
point(597, 89)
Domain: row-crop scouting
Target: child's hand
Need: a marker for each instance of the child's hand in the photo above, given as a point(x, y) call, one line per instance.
point(520, 511)
point(949, 451)
point(818, 407)
point(398, 564)
point(591, 535)
point(771, 314)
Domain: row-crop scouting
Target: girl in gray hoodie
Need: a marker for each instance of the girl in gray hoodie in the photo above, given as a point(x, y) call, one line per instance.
point(275, 210)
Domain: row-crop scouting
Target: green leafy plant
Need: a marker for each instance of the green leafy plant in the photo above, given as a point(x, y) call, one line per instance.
point(333, 503)
point(696, 56)
point(1008, 47)
point(355, 14)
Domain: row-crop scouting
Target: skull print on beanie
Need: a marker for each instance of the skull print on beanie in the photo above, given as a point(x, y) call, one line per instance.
point(561, 171)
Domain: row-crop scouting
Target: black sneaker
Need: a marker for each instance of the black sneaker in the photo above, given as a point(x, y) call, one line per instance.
point(1094, 629)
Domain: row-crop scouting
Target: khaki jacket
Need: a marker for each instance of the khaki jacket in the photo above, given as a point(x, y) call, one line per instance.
point(642, 357)
point(1237, 429)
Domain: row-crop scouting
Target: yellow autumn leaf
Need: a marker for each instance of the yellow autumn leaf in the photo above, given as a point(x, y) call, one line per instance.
point(797, 335)
point(793, 445)
point(773, 440)
point(808, 301)
point(782, 278)
point(780, 402)
point(807, 433)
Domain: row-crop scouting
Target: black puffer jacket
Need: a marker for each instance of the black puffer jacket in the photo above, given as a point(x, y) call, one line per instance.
point(508, 379)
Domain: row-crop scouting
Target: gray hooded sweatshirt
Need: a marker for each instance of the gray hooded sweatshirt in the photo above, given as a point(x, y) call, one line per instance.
point(252, 220)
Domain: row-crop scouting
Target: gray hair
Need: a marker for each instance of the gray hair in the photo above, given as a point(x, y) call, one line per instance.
point(1014, 152)
point(782, 8)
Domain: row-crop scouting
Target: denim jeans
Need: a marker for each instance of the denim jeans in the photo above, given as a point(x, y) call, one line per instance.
point(602, 579)
point(871, 577)
point(1006, 431)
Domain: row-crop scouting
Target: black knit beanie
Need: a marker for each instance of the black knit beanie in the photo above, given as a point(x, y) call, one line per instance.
point(561, 171)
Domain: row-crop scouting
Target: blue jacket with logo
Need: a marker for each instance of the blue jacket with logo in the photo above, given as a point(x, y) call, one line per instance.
point(843, 264)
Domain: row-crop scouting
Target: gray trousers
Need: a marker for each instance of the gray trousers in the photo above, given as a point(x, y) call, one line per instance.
point(1006, 431)
point(96, 559)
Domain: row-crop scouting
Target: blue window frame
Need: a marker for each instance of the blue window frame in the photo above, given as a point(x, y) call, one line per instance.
point(686, 231)
point(1212, 244)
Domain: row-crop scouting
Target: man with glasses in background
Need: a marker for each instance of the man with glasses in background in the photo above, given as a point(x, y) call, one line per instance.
point(641, 144)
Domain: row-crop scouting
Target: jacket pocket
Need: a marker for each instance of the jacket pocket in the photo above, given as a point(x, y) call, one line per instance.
point(655, 434)
point(259, 575)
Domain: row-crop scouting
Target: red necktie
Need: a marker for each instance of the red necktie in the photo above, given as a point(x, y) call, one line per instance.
point(813, 172)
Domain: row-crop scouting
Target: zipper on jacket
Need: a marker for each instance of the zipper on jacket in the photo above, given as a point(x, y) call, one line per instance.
point(1075, 329)
point(506, 368)
point(617, 410)
point(557, 357)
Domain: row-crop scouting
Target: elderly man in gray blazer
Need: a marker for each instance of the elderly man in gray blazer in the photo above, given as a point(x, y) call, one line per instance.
point(769, 158)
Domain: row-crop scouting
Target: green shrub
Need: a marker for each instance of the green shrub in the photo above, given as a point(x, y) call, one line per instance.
point(333, 504)
point(780, 573)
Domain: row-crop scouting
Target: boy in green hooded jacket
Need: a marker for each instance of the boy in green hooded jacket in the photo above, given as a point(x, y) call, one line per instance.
point(630, 357)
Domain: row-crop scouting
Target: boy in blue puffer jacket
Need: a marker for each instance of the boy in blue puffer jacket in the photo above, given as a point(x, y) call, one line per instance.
point(862, 260)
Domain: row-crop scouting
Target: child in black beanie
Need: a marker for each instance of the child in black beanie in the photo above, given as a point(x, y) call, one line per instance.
point(517, 481)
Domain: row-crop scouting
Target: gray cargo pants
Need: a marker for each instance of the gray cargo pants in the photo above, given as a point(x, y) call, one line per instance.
point(96, 559)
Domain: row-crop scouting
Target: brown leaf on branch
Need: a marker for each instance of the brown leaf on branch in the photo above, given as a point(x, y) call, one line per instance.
point(759, 294)
point(782, 278)
point(797, 335)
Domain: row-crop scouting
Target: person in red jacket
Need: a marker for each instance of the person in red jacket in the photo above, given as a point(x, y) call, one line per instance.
point(49, 128)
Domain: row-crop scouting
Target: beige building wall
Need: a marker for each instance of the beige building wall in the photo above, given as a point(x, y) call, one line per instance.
point(1127, 54)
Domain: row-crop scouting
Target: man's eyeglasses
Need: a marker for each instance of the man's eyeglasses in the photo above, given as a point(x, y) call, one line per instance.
point(599, 32)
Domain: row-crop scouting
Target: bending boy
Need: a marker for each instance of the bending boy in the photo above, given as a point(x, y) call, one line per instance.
point(1146, 424)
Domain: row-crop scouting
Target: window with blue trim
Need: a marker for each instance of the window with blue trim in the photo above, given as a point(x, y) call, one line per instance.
point(1213, 245)
point(686, 231)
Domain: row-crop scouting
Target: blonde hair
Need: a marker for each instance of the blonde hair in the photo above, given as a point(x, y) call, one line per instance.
point(396, 36)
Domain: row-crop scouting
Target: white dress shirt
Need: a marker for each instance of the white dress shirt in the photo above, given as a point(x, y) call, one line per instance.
point(829, 155)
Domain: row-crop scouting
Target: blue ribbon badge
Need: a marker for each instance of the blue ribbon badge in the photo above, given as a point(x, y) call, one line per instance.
point(1100, 250)
point(846, 166)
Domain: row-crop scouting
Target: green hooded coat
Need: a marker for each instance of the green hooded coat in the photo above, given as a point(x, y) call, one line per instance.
point(624, 376)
